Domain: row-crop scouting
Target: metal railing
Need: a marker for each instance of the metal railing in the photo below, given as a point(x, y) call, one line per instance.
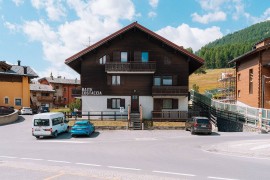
point(98, 115)
point(250, 115)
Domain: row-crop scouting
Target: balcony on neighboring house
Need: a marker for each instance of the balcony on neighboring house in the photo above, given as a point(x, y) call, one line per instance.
point(170, 90)
point(131, 67)
point(76, 92)
point(45, 98)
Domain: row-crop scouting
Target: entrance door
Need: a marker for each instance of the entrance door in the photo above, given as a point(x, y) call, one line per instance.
point(134, 103)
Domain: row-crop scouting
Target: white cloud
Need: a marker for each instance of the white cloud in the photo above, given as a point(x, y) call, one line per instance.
point(152, 14)
point(153, 3)
point(213, 5)
point(95, 19)
point(210, 17)
point(11, 27)
point(186, 36)
point(18, 2)
point(54, 8)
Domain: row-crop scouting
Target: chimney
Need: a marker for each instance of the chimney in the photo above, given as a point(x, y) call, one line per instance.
point(25, 70)
point(19, 63)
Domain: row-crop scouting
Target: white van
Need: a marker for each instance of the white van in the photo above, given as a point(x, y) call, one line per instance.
point(49, 124)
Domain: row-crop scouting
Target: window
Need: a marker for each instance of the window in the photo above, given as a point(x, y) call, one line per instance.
point(239, 77)
point(251, 81)
point(102, 60)
point(115, 103)
point(238, 93)
point(65, 99)
point(167, 104)
point(56, 87)
point(144, 56)
point(41, 122)
point(65, 89)
point(124, 56)
point(18, 102)
point(157, 81)
point(167, 81)
point(45, 94)
point(115, 80)
point(6, 100)
point(34, 94)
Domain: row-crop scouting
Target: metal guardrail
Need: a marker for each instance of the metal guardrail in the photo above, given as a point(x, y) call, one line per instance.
point(251, 115)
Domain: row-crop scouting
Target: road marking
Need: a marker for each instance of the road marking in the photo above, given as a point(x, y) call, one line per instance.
point(85, 164)
point(211, 177)
point(260, 147)
point(55, 176)
point(125, 168)
point(10, 157)
point(59, 161)
point(32, 159)
point(173, 173)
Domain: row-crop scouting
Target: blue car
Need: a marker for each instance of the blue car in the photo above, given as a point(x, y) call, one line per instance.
point(83, 127)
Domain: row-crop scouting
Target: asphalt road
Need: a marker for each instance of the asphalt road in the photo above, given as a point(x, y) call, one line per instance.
point(156, 154)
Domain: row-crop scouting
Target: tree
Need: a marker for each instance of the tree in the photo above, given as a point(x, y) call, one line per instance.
point(75, 105)
point(195, 87)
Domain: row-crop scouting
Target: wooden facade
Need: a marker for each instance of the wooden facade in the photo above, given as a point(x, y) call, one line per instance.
point(136, 65)
point(253, 76)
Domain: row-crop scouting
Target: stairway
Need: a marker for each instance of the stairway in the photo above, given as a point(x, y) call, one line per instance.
point(135, 122)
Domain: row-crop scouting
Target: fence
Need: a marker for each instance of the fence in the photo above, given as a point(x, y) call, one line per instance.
point(250, 114)
point(99, 115)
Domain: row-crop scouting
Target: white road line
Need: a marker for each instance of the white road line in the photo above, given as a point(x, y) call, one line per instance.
point(59, 161)
point(32, 159)
point(173, 173)
point(260, 147)
point(211, 177)
point(10, 157)
point(125, 168)
point(85, 164)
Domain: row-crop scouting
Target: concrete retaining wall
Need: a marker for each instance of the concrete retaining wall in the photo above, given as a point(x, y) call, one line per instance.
point(7, 119)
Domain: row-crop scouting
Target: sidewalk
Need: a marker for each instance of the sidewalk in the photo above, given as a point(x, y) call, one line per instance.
point(246, 148)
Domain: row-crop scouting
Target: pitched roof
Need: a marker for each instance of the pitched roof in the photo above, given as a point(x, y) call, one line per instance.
point(41, 87)
point(61, 80)
point(117, 33)
point(18, 70)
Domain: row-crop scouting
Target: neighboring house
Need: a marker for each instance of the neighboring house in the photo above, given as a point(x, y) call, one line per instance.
point(65, 89)
point(253, 76)
point(15, 84)
point(135, 66)
point(42, 95)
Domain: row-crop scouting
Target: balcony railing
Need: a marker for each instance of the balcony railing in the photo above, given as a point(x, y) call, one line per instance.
point(45, 98)
point(130, 67)
point(170, 115)
point(169, 90)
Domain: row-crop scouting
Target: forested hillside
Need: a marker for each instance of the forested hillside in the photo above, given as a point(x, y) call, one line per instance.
point(218, 53)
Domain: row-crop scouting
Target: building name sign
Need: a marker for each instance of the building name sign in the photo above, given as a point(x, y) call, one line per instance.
point(90, 91)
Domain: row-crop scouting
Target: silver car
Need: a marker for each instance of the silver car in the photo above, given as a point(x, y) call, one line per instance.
point(26, 110)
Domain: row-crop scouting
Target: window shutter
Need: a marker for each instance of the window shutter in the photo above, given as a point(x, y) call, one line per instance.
point(158, 104)
point(175, 78)
point(116, 56)
point(137, 56)
point(122, 103)
point(109, 103)
point(175, 104)
point(109, 80)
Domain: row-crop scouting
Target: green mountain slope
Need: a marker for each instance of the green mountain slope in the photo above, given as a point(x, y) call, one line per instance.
point(217, 54)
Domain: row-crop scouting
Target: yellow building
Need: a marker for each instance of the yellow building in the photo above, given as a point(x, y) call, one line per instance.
point(15, 85)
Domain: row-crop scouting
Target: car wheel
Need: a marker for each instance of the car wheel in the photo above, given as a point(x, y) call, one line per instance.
point(186, 129)
point(191, 131)
point(37, 137)
point(55, 134)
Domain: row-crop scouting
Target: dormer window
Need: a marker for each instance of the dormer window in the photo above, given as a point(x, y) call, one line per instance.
point(124, 56)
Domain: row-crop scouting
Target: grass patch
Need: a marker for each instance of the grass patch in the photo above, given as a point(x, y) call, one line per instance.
point(60, 110)
point(209, 80)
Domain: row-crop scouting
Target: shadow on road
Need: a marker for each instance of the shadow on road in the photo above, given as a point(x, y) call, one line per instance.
point(93, 135)
point(68, 136)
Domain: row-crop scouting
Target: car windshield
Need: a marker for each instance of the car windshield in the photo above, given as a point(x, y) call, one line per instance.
point(203, 121)
point(41, 122)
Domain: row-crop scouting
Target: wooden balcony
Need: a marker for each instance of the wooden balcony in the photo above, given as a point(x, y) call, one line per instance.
point(45, 98)
point(170, 115)
point(130, 67)
point(170, 90)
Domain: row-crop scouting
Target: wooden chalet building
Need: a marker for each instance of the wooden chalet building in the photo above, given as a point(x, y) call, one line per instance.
point(138, 70)
point(253, 76)
point(41, 95)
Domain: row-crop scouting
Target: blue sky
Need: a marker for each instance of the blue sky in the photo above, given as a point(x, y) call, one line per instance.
point(43, 33)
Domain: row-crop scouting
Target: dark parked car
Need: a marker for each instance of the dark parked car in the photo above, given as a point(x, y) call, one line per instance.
point(199, 125)
point(83, 127)
point(43, 109)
